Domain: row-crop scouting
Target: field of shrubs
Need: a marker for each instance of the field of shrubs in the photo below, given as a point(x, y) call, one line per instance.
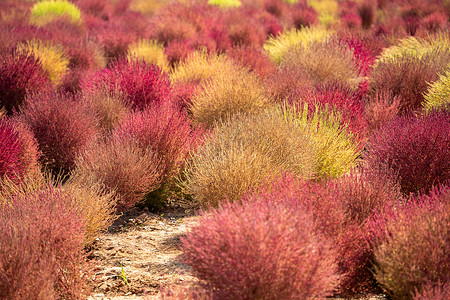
point(312, 138)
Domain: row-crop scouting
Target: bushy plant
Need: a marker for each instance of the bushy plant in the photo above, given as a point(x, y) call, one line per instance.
point(414, 149)
point(261, 249)
point(149, 51)
point(200, 66)
point(166, 131)
point(324, 62)
point(336, 149)
point(326, 9)
point(280, 45)
point(408, 77)
point(288, 83)
point(225, 3)
point(114, 41)
point(51, 57)
point(429, 291)
point(18, 74)
point(18, 151)
point(62, 126)
point(147, 7)
point(347, 102)
point(438, 93)
point(229, 92)
point(41, 253)
point(122, 167)
point(253, 59)
point(110, 107)
point(416, 248)
point(241, 153)
point(380, 108)
point(141, 84)
point(44, 12)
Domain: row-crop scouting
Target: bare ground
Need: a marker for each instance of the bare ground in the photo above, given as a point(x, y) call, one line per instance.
point(147, 246)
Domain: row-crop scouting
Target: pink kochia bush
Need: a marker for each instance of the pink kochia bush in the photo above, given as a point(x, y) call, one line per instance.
point(142, 84)
point(415, 149)
point(18, 150)
point(41, 248)
point(264, 248)
point(166, 131)
point(62, 125)
point(414, 254)
point(18, 74)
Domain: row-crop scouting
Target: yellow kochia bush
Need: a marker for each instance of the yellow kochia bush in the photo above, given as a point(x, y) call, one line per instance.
point(246, 150)
point(230, 92)
point(52, 57)
point(149, 51)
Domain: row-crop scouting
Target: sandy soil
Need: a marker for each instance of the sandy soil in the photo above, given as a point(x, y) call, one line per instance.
point(147, 245)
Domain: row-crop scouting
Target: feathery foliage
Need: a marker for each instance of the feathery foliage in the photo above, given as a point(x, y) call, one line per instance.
point(44, 12)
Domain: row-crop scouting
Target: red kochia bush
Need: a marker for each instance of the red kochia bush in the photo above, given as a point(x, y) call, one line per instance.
point(18, 74)
point(415, 251)
point(166, 131)
point(415, 149)
point(141, 84)
point(41, 248)
point(261, 250)
point(62, 126)
point(18, 150)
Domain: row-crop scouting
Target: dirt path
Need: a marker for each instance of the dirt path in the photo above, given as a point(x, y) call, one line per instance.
point(147, 246)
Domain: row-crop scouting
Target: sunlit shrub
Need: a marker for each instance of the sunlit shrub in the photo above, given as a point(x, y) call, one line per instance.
point(262, 249)
point(241, 153)
point(147, 7)
point(414, 149)
point(122, 167)
point(336, 149)
point(44, 12)
point(200, 66)
point(149, 51)
point(51, 57)
point(324, 62)
point(18, 151)
point(416, 248)
point(225, 3)
point(327, 10)
point(18, 74)
point(140, 84)
point(230, 92)
point(62, 126)
point(280, 45)
point(438, 93)
point(408, 77)
point(41, 252)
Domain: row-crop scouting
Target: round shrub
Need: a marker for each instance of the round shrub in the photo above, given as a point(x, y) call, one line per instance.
point(166, 131)
point(52, 58)
point(241, 153)
point(45, 12)
point(280, 45)
point(438, 94)
point(18, 151)
point(41, 249)
point(416, 249)
point(408, 77)
point(336, 149)
point(122, 166)
point(413, 149)
point(149, 51)
point(140, 83)
point(261, 250)
point(62, 125)
point(229, 92)
point(324, 62)
point(19, 73)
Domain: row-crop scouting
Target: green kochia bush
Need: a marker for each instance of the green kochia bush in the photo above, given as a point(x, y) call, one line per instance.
point(44, 12)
